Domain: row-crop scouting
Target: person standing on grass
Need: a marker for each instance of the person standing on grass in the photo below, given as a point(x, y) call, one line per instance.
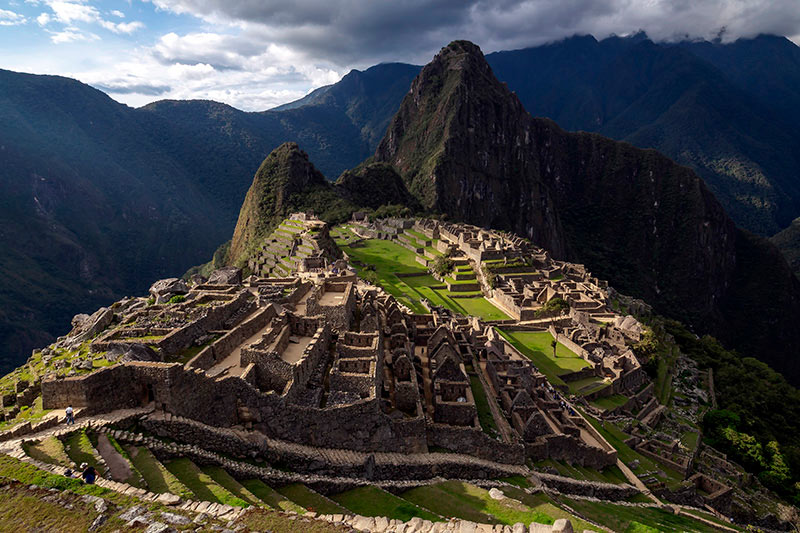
point(70, 415)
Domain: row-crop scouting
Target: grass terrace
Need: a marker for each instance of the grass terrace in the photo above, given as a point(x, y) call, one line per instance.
point(611, 474)
point(201, 484)
point(311, 500)
point(536, 346)
point(485, 416)
point(389, 259)
point(463, 500)
point(271, 497)
point(155, 474)
point(374, 501)
point(637, 519)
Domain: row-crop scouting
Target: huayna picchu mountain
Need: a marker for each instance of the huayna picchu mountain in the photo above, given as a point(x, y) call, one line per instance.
point(466, 147)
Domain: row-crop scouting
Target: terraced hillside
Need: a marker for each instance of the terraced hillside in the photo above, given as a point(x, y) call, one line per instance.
point(401, 267)
point(189, 486)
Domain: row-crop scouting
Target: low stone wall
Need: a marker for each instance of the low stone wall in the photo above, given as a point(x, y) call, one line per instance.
point(571, 449)
point(222, 347)
point(474, 442)
point(594, 489)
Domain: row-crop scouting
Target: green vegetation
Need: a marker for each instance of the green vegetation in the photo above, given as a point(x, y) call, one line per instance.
point(226, 481)
point(30, 475)
point(155, 474)
point(80, 450)
point(542, 503)
point(50, 450)
point(626, 454)
point(135, 479)
point(270, 496)
point(537, 346)
point(379, 261)
point(485, 416)
point(636, 519)
point(374, 501)
point(29, 413)
point(463, 500)
point(611, 474)
point(610, 403)
point(554, 307)
point(310, 500)
point(443, 265)
point(201, 483)
point(178, 298)
point(759, 429)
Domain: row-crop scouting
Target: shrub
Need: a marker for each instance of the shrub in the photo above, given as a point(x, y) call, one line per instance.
point(443, 265)
point(151, 301)
point(178, 298)
point(554, 307)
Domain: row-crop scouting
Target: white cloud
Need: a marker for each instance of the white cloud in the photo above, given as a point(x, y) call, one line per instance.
point(71, 35)
point(71, 12)
point(10, 18)
point(117, 13)
point(44, 19)
point(121, 27)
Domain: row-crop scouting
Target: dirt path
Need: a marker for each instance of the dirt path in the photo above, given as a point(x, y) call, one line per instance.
point(117, 465)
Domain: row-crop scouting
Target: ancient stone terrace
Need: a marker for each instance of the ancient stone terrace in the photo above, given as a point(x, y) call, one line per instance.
point(300, 243)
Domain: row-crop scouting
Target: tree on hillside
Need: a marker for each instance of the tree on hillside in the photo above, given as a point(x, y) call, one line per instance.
point(554, 344)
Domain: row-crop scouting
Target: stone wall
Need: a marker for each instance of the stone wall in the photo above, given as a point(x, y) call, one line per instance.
point(475, 442)
point(223, 346)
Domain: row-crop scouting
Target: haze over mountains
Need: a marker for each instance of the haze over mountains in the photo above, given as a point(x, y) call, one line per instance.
point(81, 167)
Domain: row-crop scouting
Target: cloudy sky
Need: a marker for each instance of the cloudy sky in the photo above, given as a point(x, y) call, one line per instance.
point(255, 54)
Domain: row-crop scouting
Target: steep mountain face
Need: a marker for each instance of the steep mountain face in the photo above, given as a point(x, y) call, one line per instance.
point(788, 242)
point(90, 208)
point(464, 145)
point(98, 199)
point(373, 185)
point(285, 182)
point(705, 105)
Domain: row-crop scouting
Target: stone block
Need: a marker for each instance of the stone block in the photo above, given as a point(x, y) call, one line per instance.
point(562, 525)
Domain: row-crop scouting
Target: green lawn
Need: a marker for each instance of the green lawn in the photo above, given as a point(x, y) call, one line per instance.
point(79, 448)
point(389, 258)
point(689, 439)
point(201, 483)
point(635, 519)
point(610, 403)
point(587, 386)
point(611, 474)
point(373, 501)
point(310, 500)
point(155, 474)
point(271, 497)
point(463, 500)
point(50, 450)
point(543, 503)
point(488, 424)
point(224, 479)
point(536, 346)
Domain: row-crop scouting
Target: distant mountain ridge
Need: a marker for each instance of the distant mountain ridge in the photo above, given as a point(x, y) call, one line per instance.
point(79, 167)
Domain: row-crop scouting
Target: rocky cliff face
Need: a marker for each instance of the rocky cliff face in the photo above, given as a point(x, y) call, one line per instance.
point(373, 185)
point(465, 145)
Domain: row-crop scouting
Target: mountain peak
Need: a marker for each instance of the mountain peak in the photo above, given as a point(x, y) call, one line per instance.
point(285, 173)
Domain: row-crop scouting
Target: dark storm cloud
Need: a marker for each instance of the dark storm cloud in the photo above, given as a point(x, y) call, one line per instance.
point(363, 31)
